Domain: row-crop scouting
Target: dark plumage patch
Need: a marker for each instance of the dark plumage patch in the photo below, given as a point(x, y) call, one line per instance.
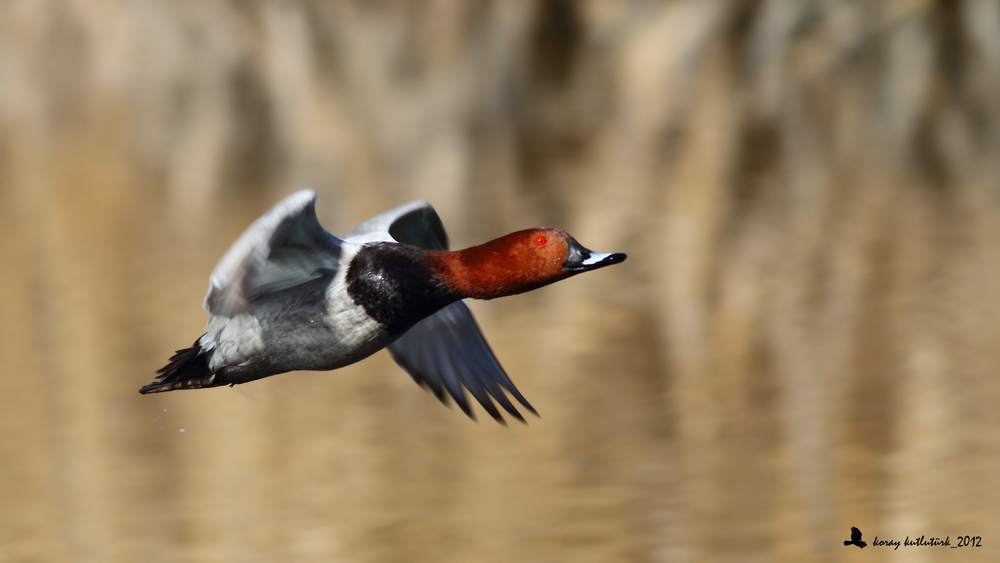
point(395, 285)
point(422, 228)
point(446, 352)
point(188, 369)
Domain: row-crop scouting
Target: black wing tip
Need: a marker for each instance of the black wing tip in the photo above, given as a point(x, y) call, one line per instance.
point(458, 397)
point(513, 412)
point(153, 388)
point(447, 398)
point(527, 406)
point(447, 354)
point(488, 406)
point(530, 409)
point(509, 407)
point(186, 369)
point(463, 404)
point(146, 390)
point(492, 410)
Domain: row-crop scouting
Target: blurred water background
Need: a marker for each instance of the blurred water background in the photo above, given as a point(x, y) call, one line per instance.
point(803, 339)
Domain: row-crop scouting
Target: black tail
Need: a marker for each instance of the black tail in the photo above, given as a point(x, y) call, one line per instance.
point(188, 369)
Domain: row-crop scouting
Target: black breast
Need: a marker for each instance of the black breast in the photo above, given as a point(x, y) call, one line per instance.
point(395, 285)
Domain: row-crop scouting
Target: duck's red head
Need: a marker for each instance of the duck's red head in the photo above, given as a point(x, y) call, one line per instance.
point(519, 262)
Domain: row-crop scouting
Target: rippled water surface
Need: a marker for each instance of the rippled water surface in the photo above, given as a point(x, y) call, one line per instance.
point(803, 339)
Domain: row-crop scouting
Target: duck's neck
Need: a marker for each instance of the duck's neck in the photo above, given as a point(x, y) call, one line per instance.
point(398, 284)
point(486, 271)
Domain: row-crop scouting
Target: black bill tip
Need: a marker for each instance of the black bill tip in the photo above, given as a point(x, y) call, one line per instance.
point(581, 259)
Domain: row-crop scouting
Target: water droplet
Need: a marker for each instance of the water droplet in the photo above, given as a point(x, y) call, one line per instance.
point(181, 430)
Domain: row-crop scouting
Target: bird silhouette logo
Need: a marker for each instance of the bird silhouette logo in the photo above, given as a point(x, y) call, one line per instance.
point(856, 538)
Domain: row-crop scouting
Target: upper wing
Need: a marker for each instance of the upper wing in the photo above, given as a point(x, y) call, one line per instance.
point(446, 351)
point(413, 223)
point(284, 248)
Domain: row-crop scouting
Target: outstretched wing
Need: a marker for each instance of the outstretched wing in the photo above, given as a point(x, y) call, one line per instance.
point(445, 352)
point(413, 223)
point(284, 248)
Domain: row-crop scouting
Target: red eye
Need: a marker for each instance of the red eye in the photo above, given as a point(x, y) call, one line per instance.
point(540, 241)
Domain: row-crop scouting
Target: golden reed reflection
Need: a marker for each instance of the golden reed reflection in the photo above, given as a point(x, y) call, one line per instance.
point(802, 340)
